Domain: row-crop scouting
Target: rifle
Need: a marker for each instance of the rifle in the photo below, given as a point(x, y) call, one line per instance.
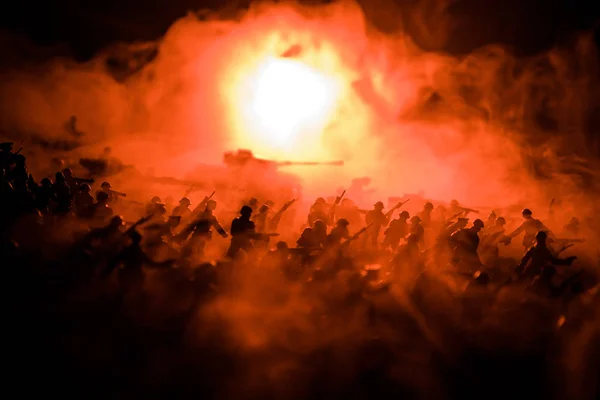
point(397, 206)
point(83, 180)
point(187, 192)
point(357, 235)
point(566, 243)
point(285, 207)
point(200, 207)
point(116, 193)
point(138, 223)
point(468, 210)
point(278, 214)
point(338, 199)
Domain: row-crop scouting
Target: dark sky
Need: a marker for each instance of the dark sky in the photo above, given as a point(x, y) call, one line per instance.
point(528, 26)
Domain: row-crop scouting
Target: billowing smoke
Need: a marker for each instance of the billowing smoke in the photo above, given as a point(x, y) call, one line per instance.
point(486, 127)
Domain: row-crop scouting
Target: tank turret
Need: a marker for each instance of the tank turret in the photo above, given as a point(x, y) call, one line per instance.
point(245, 158)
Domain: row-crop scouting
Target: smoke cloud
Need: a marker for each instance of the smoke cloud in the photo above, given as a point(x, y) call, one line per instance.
point(487, 128)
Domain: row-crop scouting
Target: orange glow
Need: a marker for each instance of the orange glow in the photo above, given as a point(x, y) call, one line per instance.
point(282, 107)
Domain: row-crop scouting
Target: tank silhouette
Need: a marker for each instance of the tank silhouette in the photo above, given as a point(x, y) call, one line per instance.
point(245, 158)
point(242, 175)
point(262, 177)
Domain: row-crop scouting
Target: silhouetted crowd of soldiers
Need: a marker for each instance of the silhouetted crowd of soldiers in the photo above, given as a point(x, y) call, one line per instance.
point(59, 230)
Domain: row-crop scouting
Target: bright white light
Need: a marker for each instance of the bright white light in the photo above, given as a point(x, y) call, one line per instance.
point(291, 101)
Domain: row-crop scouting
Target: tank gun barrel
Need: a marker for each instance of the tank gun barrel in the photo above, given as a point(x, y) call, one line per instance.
point(338, 163)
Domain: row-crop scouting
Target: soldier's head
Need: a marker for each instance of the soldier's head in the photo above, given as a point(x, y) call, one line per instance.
point(185, 202)
point(211, 205)
point(320, 226)
point(106, 186)
point(246, 211)
point(161, 209)
point(67, 173)
point(253, 202)
point(500, 221)
point(454, 203)
point(320, 205)
point(462, 222)
point(46, 182)
point(135, 236)
point(574, 221)
point(526, 213)
point(101, 197)
point(415, 220)
point(404, 215)
point(492, 216)
point(481, 278)
point(428, 206)
point(59, 177)
point(263, 209)
point(343, 223)
point(378, 206)
point(156, 200)
point(85, 188)
point(477, 225)
point(281, 246)
point(6, 146)
point(116, 221)
point(541, 237)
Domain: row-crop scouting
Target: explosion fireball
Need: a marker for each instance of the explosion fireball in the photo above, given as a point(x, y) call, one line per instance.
point(291, 103)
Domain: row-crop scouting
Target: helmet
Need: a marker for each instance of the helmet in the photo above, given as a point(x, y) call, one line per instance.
point(428, 206)
point(156, 200)
point(281, 245)
point(161, 209)
point(500, 221)
point(106, 185)
point(343, 222)
point(320, 225)
point(481, 277)
point(60, 177)
point(185, 202)
point(46, 182)
point(85, 188)
point(404, 215)
point(67, 172)
point(492, 215)
point(541, 236)
point(526, 212)
point(415, 219)
point(264, 208)
point(454, 202)
point(320, 200)
point(379, 205)
point(478, 224)
point(117, 220)
point(246, 210)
